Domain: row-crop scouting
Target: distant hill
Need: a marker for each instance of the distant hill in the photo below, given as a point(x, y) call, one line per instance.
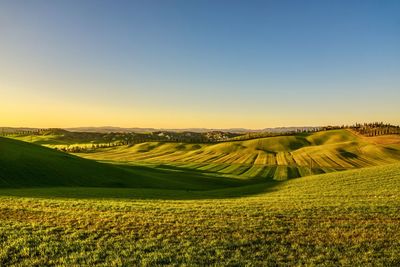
point(110, 129)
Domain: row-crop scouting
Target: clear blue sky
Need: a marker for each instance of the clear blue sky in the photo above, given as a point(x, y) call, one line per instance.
point(178, 64)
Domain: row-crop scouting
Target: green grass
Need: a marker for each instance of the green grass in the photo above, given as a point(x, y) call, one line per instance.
point(195, 205)
point(349, 218)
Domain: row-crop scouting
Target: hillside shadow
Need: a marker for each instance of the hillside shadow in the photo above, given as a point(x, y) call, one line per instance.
point(176, 183)
point(100, 193)
point(347, 154)
point(173, 177)
point(183, 169)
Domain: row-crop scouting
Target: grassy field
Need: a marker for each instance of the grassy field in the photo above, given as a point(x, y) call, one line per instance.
point(347, 218)
point(269, 158)
point(177, 204)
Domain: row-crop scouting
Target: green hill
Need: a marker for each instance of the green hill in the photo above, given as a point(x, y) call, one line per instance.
point(272, 157)
point(28, 165)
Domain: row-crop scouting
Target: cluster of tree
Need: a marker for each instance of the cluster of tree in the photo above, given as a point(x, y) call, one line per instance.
point(168, 136)
point(375, 128)
point(6, 131)
point(17, 131)
point(85, 148)
point(122, 138)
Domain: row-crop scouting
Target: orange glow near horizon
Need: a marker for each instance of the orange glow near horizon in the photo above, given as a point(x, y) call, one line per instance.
point(38, 112)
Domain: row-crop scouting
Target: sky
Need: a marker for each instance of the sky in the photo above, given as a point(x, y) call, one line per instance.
point(197, 63)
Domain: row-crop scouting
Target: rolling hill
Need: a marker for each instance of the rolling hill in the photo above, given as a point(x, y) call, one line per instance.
point(278, 158)
point(171, 165)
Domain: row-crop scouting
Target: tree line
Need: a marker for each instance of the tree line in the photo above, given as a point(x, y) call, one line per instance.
point(376, 128)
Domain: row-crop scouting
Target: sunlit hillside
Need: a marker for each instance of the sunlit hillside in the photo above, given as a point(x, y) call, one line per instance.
point(279, 157)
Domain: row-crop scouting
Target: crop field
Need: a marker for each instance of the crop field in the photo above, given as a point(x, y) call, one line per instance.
point(347, 218)
point(272, 157)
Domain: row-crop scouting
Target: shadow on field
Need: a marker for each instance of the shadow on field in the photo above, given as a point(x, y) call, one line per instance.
point(183, 169)
point(140, 193)
point(179, 178)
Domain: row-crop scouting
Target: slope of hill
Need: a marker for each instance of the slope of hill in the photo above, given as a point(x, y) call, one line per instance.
point(28, 165)
point(273, 157)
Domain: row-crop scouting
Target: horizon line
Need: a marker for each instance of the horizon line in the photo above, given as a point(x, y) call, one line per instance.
point(204, 128)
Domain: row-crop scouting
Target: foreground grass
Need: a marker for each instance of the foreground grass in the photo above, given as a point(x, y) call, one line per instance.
point(347, 218)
